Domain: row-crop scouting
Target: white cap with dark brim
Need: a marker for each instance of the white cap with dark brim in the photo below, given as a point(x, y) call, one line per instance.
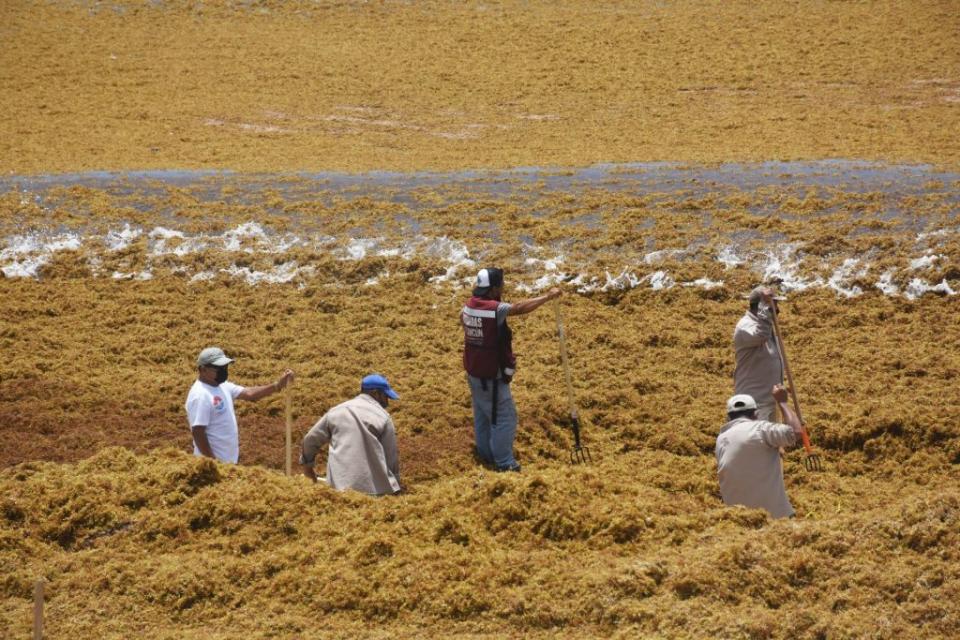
point(487, 279)
point(741, 402)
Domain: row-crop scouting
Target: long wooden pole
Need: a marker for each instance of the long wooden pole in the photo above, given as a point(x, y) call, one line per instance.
point(289, 412)
point(804, 435)
point(38, 610)
point(566, 366)
point(786, 364)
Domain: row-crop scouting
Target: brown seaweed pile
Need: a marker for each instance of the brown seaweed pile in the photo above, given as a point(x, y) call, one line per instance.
point(110, 290)
point(651, 347)
point(163, 545)
point(167, 545)
point(270, 84)
point(145, 540)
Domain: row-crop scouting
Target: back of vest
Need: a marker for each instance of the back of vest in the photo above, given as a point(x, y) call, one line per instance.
point(483, 353)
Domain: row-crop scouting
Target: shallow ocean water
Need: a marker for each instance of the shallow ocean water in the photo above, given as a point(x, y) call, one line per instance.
point(455, 219)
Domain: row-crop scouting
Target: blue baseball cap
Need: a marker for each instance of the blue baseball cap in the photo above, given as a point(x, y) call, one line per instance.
point(377, 381)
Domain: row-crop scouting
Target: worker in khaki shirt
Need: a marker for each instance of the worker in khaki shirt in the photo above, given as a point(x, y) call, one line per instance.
point(363, 442)
point(748, 457)
point(759, 366)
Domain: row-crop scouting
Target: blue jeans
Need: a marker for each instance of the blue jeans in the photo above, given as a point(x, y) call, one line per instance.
point(494, 441)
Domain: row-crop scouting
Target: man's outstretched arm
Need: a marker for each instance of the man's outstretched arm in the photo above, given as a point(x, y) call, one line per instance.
point(531, 304)
point(255, 393)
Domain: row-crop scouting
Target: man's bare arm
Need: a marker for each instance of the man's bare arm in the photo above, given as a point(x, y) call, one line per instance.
point(526, 306)
point(309, 472)
point(256, 393)
point(200, 439)
point(789, 417)
point(318, 436)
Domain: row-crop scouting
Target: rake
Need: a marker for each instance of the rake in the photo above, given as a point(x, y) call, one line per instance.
point(579, 454)
point(812, 461)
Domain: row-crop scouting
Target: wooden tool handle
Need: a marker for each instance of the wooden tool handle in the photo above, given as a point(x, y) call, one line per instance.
point(288, 392)
point(804, 436)
point(38, 610)
point(566, 365)
point(786, 365)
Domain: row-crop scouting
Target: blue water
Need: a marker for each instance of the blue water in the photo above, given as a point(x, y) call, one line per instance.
point(642, 178)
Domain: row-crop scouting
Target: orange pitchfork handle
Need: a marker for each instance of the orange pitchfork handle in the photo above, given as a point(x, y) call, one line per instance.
point(812, 462)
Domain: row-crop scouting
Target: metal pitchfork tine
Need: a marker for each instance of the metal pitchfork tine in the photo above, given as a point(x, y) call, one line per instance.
point(812, 461)
point(579, 454)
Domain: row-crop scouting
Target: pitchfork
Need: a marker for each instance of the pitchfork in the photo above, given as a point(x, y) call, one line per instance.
point(812, 461)
point(579, 453)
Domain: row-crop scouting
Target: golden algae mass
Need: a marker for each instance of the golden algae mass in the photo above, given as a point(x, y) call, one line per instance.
point(268, 86)
point(167, 545)
point(112, 284)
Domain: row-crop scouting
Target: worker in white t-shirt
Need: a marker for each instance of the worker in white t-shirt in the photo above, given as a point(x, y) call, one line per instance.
point(210, 414)
point(748, 457)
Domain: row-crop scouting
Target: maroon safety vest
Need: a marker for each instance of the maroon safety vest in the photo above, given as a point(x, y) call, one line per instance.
point(487, 348)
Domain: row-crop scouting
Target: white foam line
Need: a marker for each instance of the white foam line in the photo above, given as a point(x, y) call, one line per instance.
point(24, 268)
point(142, 275)
point(660, 280)
point(26, 254)
point(117, 240)
point(280, 274)
point(783, 264)
point(358, 248)
point(843, 273)
point(918, 287)
point(657, 257)
point(248, 237)
point(729, 258)
point(234, 238)
point(925, 261)
point(886, 284)
point(939, 233)
point(454, 252)
point(704, 283)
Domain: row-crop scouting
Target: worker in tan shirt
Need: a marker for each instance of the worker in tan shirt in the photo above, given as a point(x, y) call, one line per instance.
point(759, 366)
point(363, 442)
point(748, 457)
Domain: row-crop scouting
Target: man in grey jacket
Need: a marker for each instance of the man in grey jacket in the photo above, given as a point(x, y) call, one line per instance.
point(759, 366)
point(748, 460)
point(363, 442)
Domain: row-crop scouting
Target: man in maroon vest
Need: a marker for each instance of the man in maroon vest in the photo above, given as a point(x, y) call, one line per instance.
point(490, 364)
